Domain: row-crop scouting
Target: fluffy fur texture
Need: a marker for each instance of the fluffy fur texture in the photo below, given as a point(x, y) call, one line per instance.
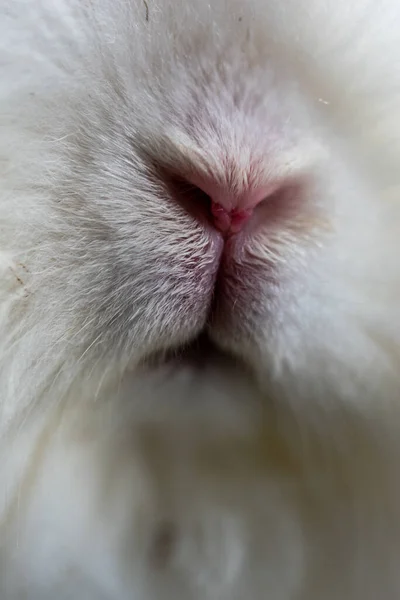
point(262, 462)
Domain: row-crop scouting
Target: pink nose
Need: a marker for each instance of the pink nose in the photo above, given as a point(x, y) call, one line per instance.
point(229, 212)
point(230, 209)
point(229, 221)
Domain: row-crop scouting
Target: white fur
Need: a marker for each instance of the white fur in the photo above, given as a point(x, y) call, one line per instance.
point(275, 477)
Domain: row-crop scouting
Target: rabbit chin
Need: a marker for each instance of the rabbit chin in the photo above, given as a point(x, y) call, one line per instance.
point(184, 483)
point(166, 503)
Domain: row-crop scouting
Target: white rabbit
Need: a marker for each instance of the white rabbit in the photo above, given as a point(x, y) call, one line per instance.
point(199, 299)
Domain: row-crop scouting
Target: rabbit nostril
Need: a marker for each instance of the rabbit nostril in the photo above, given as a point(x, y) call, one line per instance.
point(229, 221)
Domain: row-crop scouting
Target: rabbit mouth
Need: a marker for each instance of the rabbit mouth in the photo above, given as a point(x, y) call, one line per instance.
point(199, 353)
point(201, 357)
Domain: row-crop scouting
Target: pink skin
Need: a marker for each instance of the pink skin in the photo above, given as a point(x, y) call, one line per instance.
point(230, 213)
point(229, 222)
